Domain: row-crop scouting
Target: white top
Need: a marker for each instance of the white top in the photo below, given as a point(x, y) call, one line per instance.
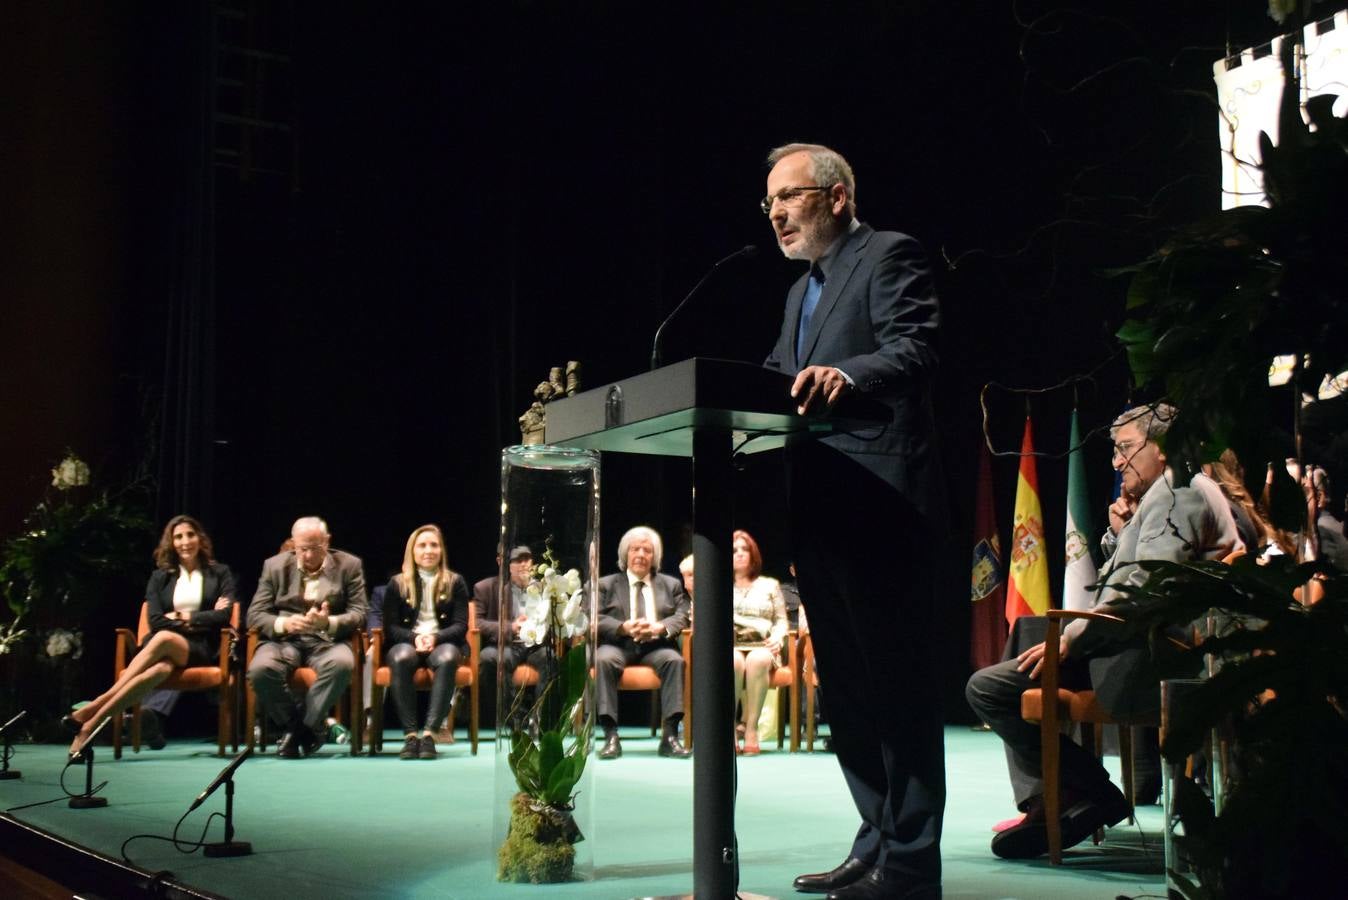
point(426, 621)
point(188, 590)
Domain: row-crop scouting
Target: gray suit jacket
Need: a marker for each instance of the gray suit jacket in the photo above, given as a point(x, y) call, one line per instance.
point(1175, 524)
point(615, 606)
point(876, 320)
point(279, 587)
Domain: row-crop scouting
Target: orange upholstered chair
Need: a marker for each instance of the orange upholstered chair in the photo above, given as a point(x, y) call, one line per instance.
point(466, 676)
point(220, 678)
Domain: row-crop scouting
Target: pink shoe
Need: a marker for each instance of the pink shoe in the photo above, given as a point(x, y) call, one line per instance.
point(1008, 823)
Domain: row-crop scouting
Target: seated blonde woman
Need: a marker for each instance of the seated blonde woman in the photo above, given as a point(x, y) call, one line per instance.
point(426, 624)
point(189, 596)
point(760, 625)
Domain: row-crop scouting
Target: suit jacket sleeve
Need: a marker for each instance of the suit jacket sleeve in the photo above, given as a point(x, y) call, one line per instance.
point(159, 599)
point(677, 620)
point(396, 630)
point(1173, 525)
point(219, 582)
point(904, 317)
point(456, 632)
point(611, 617)
point(356, 599)
point(262, 611)
point(488, 610)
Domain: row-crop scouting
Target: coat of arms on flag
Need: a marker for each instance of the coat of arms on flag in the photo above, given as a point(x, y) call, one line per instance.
point(987, 569)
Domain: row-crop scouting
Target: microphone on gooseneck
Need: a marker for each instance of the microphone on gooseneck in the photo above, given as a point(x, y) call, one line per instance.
point(746, 251)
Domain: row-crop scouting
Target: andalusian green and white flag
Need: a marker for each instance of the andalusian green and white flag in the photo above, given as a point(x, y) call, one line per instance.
point(1079, 568)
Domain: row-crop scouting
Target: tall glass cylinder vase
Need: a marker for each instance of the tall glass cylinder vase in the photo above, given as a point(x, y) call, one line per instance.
point(545, 708)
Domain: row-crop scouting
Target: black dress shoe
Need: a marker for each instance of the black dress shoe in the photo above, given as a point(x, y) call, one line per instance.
point(311, 740)
point(851, 870)
point(671, 747)
point(71, 726)
point(289, 745)
point(1029, 839)
point(877, 884)
point(613, 747)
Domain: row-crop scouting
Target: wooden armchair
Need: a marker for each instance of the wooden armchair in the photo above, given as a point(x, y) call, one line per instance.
point(465, 677)
point(1070, 706)
point(349, 709)
point(221, 678)
point(809, 683)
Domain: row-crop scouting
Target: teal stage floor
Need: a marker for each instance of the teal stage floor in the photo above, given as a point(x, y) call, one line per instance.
point(336, 827)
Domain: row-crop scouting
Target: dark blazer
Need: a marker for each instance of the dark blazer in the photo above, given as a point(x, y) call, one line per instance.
point(216, 581)
point(487, 598)
point(451, 611)
point(279, 587)
point(876, 320)
point(615, 604)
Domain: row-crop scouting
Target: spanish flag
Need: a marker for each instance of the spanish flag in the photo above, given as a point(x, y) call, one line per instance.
point(1027, 591)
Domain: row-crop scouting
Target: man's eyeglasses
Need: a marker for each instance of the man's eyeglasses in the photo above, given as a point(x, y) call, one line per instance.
point(1126, 449)
point(788, 196)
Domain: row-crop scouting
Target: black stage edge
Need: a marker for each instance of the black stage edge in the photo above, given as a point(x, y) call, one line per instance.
point(84, 870)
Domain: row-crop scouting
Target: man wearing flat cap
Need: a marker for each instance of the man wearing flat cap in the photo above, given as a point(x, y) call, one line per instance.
point(500, 612)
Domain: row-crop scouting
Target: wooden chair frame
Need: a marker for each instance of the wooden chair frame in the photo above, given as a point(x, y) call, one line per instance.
point(1071, 706)
point(222, 678)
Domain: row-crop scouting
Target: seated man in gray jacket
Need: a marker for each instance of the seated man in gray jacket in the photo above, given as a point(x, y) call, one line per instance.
point(308, 601)
point(1152, 519)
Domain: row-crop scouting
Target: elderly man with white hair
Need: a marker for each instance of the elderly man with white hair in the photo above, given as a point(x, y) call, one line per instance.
point(308, 601)
point(641, 614)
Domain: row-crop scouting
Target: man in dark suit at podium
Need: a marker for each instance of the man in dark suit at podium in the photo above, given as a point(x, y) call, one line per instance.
point(867, 513)
point(641, 614)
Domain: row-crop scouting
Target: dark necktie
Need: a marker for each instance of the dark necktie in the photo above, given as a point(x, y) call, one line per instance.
point(813, 288)
point(638, 602)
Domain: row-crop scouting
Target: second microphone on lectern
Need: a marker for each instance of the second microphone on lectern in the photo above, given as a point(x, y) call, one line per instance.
point(746, 251)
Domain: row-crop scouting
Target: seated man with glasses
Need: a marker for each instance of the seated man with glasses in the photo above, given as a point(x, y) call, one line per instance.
point(308, 602)
point(1151, 520)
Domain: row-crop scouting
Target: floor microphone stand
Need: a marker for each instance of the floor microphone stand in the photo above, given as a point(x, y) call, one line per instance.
point(6, 773)
point(229, 846)
point(87, 800)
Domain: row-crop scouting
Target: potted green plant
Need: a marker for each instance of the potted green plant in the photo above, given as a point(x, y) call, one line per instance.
point(76, 541)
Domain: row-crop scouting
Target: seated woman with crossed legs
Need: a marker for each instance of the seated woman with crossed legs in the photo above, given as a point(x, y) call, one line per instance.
point(425, 623)
point(189, 596)
point(760, 624)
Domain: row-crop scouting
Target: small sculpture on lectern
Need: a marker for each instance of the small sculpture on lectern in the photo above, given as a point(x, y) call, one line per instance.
point(560, 383)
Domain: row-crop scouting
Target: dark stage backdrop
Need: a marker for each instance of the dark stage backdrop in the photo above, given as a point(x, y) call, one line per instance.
point(410, 213)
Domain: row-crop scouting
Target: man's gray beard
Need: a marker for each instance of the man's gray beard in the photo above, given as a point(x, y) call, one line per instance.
point(823, 231)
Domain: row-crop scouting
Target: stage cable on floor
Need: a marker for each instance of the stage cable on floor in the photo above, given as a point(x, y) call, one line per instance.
point(66, 791)
point(184, 847)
